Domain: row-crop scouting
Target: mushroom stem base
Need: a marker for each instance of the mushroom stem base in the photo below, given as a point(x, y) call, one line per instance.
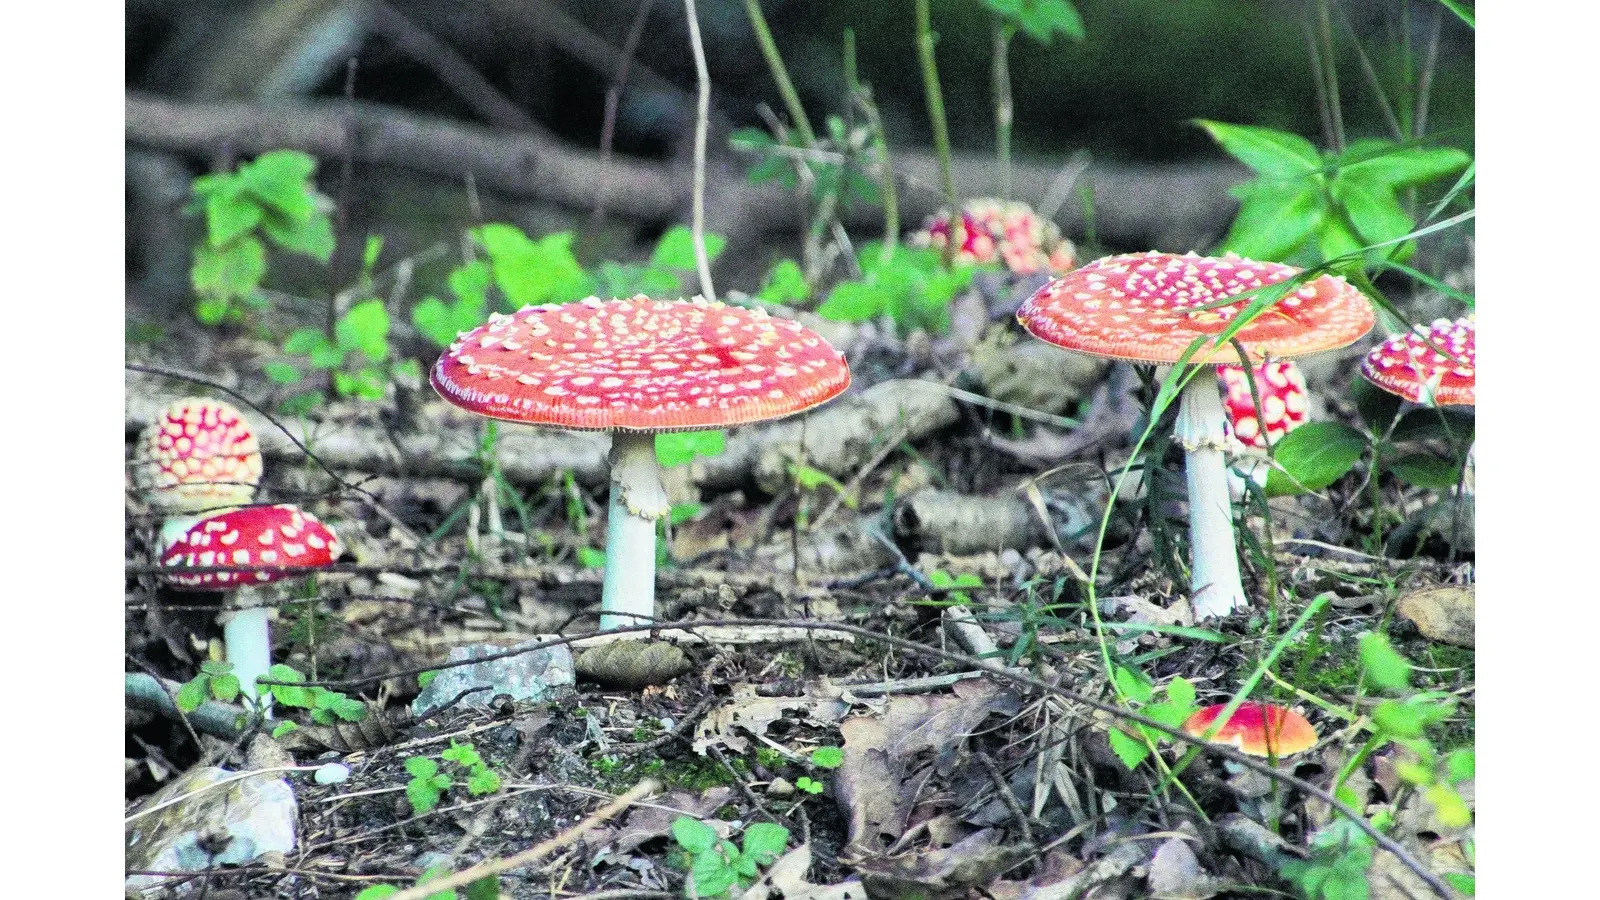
point(247, 636)
point(1214, 585)
point(638, 499)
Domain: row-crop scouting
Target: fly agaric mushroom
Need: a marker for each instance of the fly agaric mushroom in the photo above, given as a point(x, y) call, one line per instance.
point(1284, 407)
point(1411, 366)
point(263, 544)
point(1257, 729)
point(987, 230)
point(198, 455)
point(1149, 308)
point(637, 368)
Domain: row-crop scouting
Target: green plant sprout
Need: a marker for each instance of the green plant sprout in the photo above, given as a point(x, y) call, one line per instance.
point(911, 288)
point(1040, 20)
point(270, 199)
point(428, 783)
point(715, 865)
point(323, 706)
point(485, 888)
point(215, 681)
point(1172, 711)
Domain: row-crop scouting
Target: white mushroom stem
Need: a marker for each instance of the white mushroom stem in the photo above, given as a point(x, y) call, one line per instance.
point(1214, 585)
point(247, 638)
point(638, 499)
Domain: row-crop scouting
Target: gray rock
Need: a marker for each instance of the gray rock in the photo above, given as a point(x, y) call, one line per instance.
point(216, 822)
point(526, 676)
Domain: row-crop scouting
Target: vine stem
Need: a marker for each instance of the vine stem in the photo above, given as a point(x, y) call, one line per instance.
point(780, 72)
point(1004, 111)
point(941, 130)
point(702, 122)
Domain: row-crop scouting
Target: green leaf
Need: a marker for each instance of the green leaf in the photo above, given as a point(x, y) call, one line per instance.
point(225, 687)
point(1132, 684)
point(1461, 881)
point(590, 558)
point(280, 372)
point(683, 512)
point(785, 283)
point(1425, 471)
point(1393, 166)
point(750, 139)
point(281, 179)
point(1275, 155)
point(1041, 20)
point(313, 237)
point(485, 888)
point(675, 448)
point(1386, 668)
point(464, 754)
point(228, 272)
point(1167, 713)
point(1401, 720)
point(675, 250)
point(1372, 209)
point(765, 841)
point(426, 678)
point(216, 667)
point(349, 709)
point(423, 795)
point(1448, 805)
point(1180, 691)
point(693, 835)
point(482, 781)
point(854, 301)
point(1314, 456)
point(827, 757)
point(369, 253)
point(532, 272)
point(1460, 765)
point(192, 693)
point(421, 767)
point(1275, 219)
point(289, 695)
point(365, 327)
point(377, 892)
point(1129, 749)
point(712, 875)
point(307, 341)
point(283, 728)
point(228, 217)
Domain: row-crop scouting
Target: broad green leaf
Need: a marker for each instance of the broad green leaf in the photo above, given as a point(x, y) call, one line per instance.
point(281, 179)
point(1335, 238)
point(1168, 713)
point(423, 796)
point(683, 512)
point(482, 781)
point(378, 892)
point(369, 253)
point(435, 321)
point(306, 341)
point(827, 757)
point(693, 835)
point(712, 875)
point(1461, 881)
point(313, 237)
point(350, 709)
point(216, 667)
point(750, 139)
point(231, 271)
point(283, 728)
point(675, 448)
point(365, 327)
point(1180, 691)
point(1372, 209)
point(786, 283)
point(765, 841)
point(421, 767)
point(1425, 471)
point(1275, 155)
point(1448, 806)
point(470, 282)
point(1275, 219)
point(485, 888)
point(1314, 456)
point(228, 216)
point(1460, 765)
point(464, 754)
point(1129, 749)
point(675, 250)
point(225, 687)
point(853, 301)
point(192, 693)
point(1041, 20)
point(1386, 668)
point(1398, 719)
point(280, 372)
point(1383, 163)
point(1133, 685)
point(590, 558)
point(532, 272)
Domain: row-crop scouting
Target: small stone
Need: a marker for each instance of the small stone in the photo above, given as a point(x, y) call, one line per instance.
point(528, 676)
point(779, 788)
point(331, 773)
point(214, 824)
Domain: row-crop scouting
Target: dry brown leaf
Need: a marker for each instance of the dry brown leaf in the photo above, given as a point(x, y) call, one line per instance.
point(944, 874)
point(748, 712)
point(655, 820)
point(869, 785)
point(1175, 874)
point(786, 879)
point(1443, 614)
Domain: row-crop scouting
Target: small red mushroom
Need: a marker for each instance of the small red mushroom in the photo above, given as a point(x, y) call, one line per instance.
point(1412, 366)
point(1258, 729)
point(636, 368)
point(1285, 404)
point(1150, 308)
point(262, 545)
point(198, 455)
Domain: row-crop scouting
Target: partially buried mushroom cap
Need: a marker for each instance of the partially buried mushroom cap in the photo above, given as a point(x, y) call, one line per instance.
point(1258, 729)
point(1412, 366)
point(639, 365)
point(275, 539)
point(198, 454)
point(1146, 307)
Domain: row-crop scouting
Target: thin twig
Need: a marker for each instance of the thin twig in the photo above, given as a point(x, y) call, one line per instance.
point(702, 124)
point(608, 126)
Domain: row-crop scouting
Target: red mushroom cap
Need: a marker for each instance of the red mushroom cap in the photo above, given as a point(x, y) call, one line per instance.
point(198, 454)
point(987, 230)
point(1407, 365)
point(275, 538)
point(1284, 401)
point(639, 365)
point(1259, 729)
point(1144, 307)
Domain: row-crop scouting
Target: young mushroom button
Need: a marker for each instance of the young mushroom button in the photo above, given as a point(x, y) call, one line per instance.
point(261, 545)
point(198, 455)
point(637, 368)
point(1151, 308)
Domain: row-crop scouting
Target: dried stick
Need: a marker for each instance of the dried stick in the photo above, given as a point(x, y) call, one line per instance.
point(702, 123)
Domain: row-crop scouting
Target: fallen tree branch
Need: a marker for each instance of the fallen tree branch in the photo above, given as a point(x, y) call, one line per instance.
point(151, 695)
